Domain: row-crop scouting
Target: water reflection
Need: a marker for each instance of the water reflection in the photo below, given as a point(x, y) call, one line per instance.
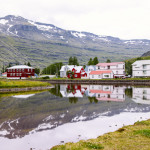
point(67, 107)
point(93, 92)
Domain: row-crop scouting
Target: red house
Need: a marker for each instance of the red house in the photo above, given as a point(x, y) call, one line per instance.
point(20, 72)
point(78, 72)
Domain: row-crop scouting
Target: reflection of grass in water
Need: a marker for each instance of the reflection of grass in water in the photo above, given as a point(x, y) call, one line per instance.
point(19, 93)
point(21, 83)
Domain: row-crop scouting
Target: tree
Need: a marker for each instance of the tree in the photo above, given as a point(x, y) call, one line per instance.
point(70, 73)
point(90, 62)
point(53, 69)
point(108, 61)
point(28, 64)
point(95, 61)
point(70, 62)
point(73, 61)
point(37, 70)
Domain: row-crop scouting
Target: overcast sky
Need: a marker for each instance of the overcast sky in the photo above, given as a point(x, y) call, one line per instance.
point(126, 19)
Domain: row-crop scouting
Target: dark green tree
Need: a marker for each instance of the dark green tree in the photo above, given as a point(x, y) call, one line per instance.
point(70, 62)
point(28, 64)
point(95, 61)
point(108, 61)
point(90, 62)
point(53, 69)
point(37, 70)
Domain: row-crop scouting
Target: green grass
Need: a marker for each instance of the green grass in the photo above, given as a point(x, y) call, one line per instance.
point(143, 132)
point(133, 137)
point(4, 83)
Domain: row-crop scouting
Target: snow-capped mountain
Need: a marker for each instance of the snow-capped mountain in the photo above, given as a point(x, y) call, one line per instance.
point(26, 40)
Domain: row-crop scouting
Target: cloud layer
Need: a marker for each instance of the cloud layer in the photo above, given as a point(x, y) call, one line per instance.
point(120, 18)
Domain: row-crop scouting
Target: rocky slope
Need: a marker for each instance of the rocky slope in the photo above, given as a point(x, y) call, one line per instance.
point(23, 40)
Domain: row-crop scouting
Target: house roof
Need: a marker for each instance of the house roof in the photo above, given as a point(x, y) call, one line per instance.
point(100, 72)
point(4, 73)
point(20, 67)
point(141, 62)
point(100, 91)
point(70, 67)
point(109, 64)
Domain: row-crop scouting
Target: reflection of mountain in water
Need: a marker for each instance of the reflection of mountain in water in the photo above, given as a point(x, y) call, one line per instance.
point(45, 111)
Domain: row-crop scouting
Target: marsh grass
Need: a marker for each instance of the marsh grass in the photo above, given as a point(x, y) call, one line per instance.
point(21, 83)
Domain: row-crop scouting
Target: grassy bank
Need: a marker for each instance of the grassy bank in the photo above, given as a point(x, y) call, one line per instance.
point(133, 137)
point(4, 83)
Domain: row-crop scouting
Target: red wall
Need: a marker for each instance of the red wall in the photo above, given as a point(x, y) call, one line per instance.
point(24, 73)
point(77, 75)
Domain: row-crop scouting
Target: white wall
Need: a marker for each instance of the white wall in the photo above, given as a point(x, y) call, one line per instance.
point(102, 76)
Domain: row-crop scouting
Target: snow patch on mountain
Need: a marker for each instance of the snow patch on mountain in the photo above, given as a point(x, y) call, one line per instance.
point(78, 34)
point(3, 21)
point(41, 27)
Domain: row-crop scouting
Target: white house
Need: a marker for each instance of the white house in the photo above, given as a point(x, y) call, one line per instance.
point(141, 68)
point(88, 69)
point(64, 70)
point(98, 74)
point(118, 68)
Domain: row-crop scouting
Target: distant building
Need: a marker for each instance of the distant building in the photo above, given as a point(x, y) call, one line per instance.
point(4, 74)
point(77, 70)
point(141, 68)
point(118, 68)
point(105, 74)
point(88, 69)
point(20, 72)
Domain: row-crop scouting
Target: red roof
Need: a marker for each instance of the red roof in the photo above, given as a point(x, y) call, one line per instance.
point(109, 64)
point(100, 72)
point(100, 91)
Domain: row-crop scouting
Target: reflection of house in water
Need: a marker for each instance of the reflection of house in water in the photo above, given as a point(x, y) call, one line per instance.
point(72, 90)
point(141, 95)
point(107, 92)
point(100, 92)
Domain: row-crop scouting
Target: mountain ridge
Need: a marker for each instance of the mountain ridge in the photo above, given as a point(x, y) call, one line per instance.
point(44, 44)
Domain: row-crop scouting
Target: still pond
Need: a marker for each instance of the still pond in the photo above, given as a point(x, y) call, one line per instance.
point(68, 113)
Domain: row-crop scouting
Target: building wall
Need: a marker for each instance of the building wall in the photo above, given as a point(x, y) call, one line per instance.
point(102, 76)
point(141, 70)
point(17, 73)
point(118, 70)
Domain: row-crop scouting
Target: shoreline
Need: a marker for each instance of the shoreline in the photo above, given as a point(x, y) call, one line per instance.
point(120, 82)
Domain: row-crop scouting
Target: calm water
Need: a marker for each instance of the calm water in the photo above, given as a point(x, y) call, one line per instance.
point(68, 113)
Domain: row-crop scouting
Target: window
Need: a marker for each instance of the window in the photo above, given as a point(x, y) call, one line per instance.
point(144, 72)
point(92, 76)
point(99, 76)
point(107, 76)
point(144, 66)
point(13, 74)
point(98, 67)
point(99, 95)
point(108, 67)
point(75, 75)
